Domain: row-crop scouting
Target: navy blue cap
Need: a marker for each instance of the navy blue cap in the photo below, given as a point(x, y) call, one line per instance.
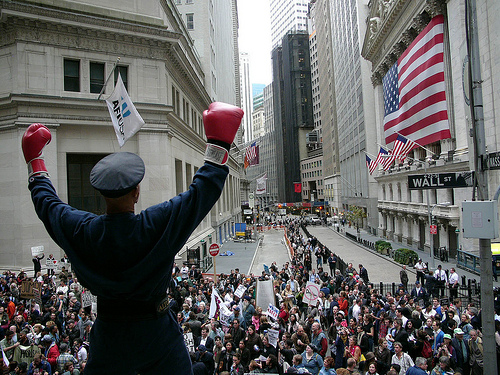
point(117, 174)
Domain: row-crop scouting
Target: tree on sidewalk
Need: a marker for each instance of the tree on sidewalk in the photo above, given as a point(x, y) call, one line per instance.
point(355, 215)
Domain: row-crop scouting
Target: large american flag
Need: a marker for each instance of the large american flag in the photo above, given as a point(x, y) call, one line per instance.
point(414, 90)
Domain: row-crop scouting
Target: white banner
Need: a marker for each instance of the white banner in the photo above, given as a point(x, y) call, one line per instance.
point(265, 294)
point(261, 185)
point(218, 309)
point(311, 294)
point(36, 251)
point(126, 120)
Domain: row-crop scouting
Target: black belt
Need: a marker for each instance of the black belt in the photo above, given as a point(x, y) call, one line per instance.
point(125, 310)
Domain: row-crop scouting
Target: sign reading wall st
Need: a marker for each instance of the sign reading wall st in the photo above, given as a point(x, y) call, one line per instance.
point(440, 180)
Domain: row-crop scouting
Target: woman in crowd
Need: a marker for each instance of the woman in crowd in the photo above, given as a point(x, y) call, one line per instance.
point(311, 360)
point(382, 353)
point(353, 350)
point(226, 357)
point(253, 342)
point(328, 367)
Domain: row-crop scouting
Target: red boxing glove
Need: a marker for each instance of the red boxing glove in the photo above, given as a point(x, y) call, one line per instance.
point(35, 138)
point(221, 123)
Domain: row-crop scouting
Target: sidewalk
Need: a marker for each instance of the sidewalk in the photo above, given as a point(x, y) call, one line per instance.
point(424, 255)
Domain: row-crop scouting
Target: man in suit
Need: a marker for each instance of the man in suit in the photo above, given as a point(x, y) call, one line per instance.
point(461, 348)
point(205, 340)
point(419, 293)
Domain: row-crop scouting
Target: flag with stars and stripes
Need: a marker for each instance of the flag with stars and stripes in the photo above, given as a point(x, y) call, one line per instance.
point(371, 164)
point(251, 155)
point(385, 159)
point(414, 90)
point(402, 146)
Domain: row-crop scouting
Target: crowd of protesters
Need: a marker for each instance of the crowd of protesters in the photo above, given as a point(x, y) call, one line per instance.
point(352, 328)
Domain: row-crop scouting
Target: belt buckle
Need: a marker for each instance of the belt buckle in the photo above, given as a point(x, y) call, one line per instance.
point(162, 307)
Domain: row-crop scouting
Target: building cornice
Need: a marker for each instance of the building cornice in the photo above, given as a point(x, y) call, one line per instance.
point(392, 25)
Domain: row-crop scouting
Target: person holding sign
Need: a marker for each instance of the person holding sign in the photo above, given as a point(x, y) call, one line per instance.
point(126, 259)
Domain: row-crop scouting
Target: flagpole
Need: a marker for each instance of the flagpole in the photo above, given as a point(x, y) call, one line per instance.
point(107, 79)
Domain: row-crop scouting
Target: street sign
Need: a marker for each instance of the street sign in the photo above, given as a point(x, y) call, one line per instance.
point(440, 180)
point(214, 249)
point(434, 229)
point(494, 160)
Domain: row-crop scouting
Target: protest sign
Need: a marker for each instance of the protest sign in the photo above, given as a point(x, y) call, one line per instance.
point(36, 251)
point(30, 289)
point(240, 291)
point(273, 312)
point(273, 336)
point(311, 294)
point(189, 341)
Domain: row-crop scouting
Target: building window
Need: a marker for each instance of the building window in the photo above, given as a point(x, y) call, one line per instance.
point(123, 71)
point(190, 21)
point(178, 1)
point(71, 75)
point(81, 194)
point(189, 1)
point(176, 100)
point(96, 77)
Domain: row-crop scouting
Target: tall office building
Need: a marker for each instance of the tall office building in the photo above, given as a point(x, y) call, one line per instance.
point(293, 117)
point(246, 97)
point(213, 27)
point(287, 15)
point(324, 101)
point(354, 107)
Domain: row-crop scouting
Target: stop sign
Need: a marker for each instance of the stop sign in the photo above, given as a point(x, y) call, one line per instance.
point(214, 249)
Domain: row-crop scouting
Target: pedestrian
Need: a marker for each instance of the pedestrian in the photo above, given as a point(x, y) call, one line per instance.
point(453, 283)
point(37, 267)
point(403, 276)
point(421, 268)
point(441, 279)
point(126, 259)
point(332, 262)
point(476, 353)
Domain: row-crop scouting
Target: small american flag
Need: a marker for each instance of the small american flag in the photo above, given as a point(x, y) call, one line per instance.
point(414, 90)
point(402, 146)
point(371, 164)
point(384, 158)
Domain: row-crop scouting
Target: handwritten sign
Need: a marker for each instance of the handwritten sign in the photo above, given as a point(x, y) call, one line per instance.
point(273, 336)
point(189, 341)
point(51, 264)
point(88, 298)
point(36, 251)
point(240, 290)
point(30, 289)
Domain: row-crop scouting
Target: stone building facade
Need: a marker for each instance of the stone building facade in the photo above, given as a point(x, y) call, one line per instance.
point(53, 61)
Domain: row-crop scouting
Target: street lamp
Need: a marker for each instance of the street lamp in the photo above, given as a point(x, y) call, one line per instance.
point(430, 209)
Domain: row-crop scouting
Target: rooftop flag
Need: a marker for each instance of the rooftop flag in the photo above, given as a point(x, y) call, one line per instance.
point(414, 90)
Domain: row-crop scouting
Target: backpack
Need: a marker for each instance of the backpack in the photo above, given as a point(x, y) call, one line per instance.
point(427, 350)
